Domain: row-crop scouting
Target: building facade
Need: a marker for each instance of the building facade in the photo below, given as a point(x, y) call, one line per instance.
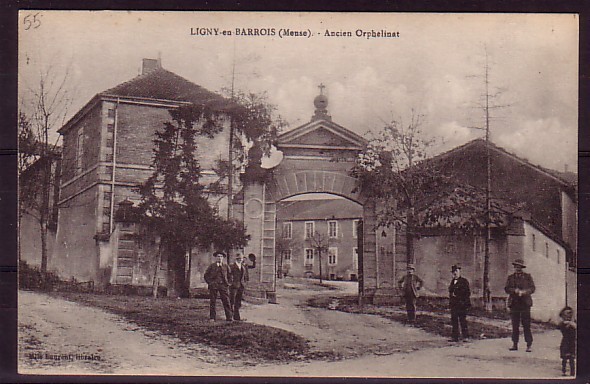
point(107, 152)
point(307, 227)
point(538, 224)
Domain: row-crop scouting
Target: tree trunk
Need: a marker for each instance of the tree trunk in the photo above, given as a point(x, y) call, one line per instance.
point(487, 297)
point(44, 247)
point(187, 276)
point(410, 229)
point(176, 270)
point(156, 268)
point(320, 258)
point(44, 213)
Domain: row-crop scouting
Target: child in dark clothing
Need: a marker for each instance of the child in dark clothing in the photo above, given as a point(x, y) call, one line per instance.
point(567, 348)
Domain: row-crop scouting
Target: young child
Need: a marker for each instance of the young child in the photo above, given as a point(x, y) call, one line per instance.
point(567, 348)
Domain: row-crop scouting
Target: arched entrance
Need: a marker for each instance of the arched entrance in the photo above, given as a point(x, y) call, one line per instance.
point(317, 158)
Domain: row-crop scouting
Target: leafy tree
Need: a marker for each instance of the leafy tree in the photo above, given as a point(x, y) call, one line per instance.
point(253, 122)
point(393, 170)
point(174, 201)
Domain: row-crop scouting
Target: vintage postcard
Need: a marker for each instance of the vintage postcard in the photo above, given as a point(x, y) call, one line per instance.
point(384, 195)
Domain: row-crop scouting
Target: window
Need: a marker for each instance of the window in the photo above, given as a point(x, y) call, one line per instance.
point(309, 256)
point(355, 229)
point(546, 250)
point(534, 243)
point(309, 229)
point(332, 228)
point(79, 151)
point(111, 112)
point(332, 256)
point(558, 256)
point(287, 230)
point(287, 256)
point(110, 128)
point(355, 258)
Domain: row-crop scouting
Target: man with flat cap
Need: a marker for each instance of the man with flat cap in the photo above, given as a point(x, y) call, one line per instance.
point(520, 287)
point(459, 302)
point(409, 286)
point(218, 278)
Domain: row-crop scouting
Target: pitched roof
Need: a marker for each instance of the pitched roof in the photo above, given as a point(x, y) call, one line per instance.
point(568, 179)
point(319, 210)
point(347, 137)
point(158, 85)
point(161, 84)
point(463, 208)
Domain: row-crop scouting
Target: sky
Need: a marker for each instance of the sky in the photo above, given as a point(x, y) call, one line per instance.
point(434, 64)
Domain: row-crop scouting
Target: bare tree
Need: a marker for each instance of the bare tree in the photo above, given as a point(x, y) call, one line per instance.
point(393, 170)
point(320, 243)
point(47, 105)
point(282, 244)
point(487, 103)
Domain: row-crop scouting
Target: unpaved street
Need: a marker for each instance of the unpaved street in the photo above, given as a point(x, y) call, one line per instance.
point(89, 340)
point(58, 336)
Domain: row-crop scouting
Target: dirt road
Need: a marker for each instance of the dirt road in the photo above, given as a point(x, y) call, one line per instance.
point(62, 337)
point(341, 334)
point(56, 337)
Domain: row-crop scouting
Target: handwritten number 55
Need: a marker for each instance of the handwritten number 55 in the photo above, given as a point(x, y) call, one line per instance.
point(32, 21)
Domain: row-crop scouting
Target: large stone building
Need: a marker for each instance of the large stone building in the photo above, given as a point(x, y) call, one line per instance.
point(107, 152)
point(536, 211)
point(307, 226)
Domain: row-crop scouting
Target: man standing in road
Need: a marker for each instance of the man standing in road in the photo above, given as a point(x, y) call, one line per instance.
point(409, 285)
point(520, 287)
point(459, 302)
point(218, 278)
point(239, 277)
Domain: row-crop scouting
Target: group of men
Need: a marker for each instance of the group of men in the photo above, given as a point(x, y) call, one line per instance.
point(227, 281)
point(519, 287)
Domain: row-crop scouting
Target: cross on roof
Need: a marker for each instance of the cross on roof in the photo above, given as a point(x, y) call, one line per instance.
point(321, 87)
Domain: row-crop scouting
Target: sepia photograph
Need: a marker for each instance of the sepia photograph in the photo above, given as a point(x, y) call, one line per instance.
point(282, 194)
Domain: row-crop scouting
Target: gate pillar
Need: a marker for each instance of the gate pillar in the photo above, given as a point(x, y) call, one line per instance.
point(260, 220)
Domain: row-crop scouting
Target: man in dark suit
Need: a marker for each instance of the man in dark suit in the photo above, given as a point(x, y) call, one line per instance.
point(218, 278)
point(409, 286)
point(520, 287)
point(239, 277)
point(459, 302)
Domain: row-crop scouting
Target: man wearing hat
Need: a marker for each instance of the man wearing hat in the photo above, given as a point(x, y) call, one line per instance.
point(459, 302)
point(409, 286)
point(239, 277)
point(218, 278)
point(520, 287)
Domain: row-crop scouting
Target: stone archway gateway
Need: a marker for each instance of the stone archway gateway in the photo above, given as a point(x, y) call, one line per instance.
point(317, 158)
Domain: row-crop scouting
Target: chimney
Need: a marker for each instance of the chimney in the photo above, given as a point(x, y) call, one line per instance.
point(150, 65)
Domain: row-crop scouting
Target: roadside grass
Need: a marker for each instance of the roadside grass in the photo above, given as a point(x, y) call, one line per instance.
point(431, 318)
point(188, 320)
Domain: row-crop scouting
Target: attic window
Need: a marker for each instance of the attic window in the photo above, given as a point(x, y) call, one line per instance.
point(546, 250)
point(534, 245)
